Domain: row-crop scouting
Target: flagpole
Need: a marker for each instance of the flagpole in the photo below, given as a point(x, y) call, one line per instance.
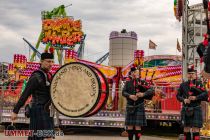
point(148, 48)
point(176, 45)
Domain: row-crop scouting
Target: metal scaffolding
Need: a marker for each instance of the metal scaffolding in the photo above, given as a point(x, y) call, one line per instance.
point(194, 26)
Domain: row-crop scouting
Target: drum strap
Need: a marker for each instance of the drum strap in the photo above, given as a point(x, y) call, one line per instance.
point(47, 78)
point(48, 106)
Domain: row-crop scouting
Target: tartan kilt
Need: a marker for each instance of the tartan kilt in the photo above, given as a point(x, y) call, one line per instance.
point(138, 118)
point(196, 120)
point(40, 120)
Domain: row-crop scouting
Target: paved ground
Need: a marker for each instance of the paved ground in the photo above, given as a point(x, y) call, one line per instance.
point(92, 134)
point(82, 137)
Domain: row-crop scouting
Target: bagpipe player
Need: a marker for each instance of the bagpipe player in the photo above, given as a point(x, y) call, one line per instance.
point(191, 93)
point(135, 91)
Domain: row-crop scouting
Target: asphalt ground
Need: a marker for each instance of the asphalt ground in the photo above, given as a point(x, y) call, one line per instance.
point(87, 133)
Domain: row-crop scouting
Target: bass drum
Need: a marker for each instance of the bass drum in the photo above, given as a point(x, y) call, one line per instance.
point(78, 90)
point(104, 93)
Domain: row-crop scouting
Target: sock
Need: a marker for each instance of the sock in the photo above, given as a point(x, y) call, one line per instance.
point(130, 134)
point(187, 136)
point(196, 136)
point(137, 134)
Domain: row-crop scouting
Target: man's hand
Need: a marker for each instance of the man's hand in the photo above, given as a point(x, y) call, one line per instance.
point(192, 98)
point(140, 94)
point(186, 101)
point(133, 97)
point(13, 116)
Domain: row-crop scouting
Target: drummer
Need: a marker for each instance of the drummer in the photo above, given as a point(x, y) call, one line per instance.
point(39, 87)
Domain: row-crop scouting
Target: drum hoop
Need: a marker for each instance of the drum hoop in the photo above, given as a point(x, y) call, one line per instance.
point(107, 91)
point(99, 89)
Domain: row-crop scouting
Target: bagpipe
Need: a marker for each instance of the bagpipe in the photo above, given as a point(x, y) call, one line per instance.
point(196, 89)
point(144, 85)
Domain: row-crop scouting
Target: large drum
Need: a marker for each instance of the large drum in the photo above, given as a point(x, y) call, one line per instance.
point(79, 90)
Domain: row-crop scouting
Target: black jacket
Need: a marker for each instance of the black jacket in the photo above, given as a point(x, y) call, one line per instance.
point(130, 89)
point(197, 90)
point(38, 86)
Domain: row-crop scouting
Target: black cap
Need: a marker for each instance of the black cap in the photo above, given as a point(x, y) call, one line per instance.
point(133, 69)
point(190, 70)
point(47, 56)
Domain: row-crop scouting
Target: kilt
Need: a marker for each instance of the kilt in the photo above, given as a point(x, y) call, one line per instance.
point(40, 122)
point(196, 120)
point(138, 118)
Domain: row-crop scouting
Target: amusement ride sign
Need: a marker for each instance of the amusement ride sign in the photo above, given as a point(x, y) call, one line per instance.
point(61, 32)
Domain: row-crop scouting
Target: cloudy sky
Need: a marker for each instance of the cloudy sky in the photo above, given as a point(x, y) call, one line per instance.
point(150, 19)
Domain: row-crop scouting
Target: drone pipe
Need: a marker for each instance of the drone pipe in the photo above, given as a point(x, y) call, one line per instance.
point(146, 75)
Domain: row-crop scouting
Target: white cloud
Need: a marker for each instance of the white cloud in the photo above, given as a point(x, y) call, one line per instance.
point(150, 19)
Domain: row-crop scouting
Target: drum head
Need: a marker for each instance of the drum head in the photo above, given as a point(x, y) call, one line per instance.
point(75, 89)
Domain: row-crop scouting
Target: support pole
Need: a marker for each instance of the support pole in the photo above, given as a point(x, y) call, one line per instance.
point(185, 41)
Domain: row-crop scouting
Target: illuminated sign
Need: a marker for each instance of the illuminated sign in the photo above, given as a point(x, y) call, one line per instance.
point(62, 32)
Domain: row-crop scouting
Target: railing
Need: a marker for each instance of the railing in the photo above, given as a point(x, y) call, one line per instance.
point(163, 101)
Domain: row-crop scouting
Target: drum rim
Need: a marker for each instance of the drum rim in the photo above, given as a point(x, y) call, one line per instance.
point(107, 92)
point(99, 85)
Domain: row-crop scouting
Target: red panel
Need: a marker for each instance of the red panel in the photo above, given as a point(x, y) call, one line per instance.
point(171, 104)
